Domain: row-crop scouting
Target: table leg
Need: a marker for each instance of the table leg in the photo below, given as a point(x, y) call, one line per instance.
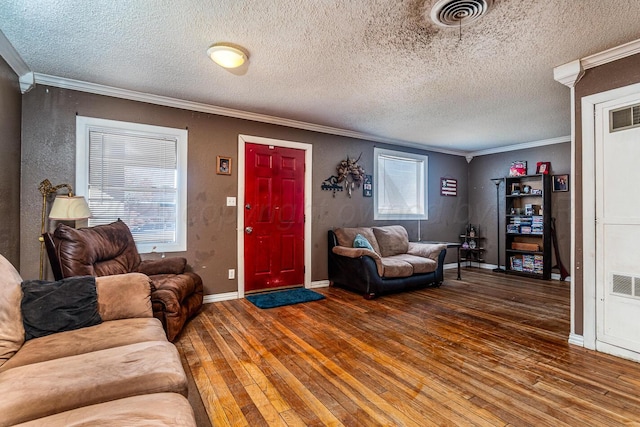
point(459, 278)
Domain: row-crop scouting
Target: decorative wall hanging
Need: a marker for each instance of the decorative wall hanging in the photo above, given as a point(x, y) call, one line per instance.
point(543, 167)
point(331, 184)
point(350, 172)
point(560, 183)
point(518, 168)
point(367, 186)
point(448, 187)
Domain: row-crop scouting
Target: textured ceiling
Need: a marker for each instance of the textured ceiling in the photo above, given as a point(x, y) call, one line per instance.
point(377, 67)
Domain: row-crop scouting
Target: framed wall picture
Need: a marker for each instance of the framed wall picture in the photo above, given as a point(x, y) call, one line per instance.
point(543, 167)
point(367, 186)
point(560, 183)
point(223, 165)
point(448, 187)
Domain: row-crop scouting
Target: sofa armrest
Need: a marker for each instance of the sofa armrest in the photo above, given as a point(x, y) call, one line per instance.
point(172, 265)
point(426, 250)
point(360, 252)
point(124, 296)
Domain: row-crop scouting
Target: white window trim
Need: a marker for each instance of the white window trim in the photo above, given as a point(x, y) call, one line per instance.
point(84, 124)
point(401, 154)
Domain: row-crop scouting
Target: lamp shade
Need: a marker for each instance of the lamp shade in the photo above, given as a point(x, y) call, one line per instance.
point(69, 208)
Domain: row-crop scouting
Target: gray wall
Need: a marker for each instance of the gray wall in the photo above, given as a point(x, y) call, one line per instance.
point(10, 113)
point(48, 143)
point(482, 195)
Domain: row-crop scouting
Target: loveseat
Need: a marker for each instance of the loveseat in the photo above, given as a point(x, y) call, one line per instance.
point(119, 371)
point(379, 260)
point(110, 249)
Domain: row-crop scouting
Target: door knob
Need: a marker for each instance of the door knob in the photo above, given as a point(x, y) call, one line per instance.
point(248, 230)
point(247, 206)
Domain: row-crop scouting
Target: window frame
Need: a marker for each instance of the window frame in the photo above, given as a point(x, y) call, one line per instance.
point(420, 181)
point(83, 127)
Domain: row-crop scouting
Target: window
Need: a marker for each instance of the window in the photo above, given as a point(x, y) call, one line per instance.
point(137, 173)
point(400, 190)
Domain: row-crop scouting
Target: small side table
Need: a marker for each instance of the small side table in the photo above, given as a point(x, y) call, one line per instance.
point(449, 245)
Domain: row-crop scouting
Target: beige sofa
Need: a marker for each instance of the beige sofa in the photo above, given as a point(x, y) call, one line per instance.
point(122, 371)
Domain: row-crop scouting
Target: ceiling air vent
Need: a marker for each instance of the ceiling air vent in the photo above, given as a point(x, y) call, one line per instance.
point(457, 13)
point(625, 118)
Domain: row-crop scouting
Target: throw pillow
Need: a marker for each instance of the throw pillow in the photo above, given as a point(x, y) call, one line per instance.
point(65, 305)
point(361, 242)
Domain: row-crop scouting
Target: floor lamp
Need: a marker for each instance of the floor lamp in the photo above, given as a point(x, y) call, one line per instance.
point(65, 208)
point(497, 182)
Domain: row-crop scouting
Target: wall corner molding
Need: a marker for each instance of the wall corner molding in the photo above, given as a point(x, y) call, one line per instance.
point(569, 74)
point(17, 64)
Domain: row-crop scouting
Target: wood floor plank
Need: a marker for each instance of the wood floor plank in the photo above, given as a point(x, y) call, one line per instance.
point(488, 350)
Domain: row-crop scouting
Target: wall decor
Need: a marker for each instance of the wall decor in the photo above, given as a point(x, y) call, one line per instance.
point(518, 168)
point(367, 186)
point(331, 184)
point(448, 187)
point(560, 183)
point(351, 172)
point(223, 165)
point(543, 167)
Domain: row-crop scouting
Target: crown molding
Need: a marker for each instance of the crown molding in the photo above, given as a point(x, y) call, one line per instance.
point(522, 146)
point(570, 73)
point(98, 89)
point(17, 64)
point(611, 55)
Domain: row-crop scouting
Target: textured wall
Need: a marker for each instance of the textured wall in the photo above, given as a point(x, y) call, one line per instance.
point(49, 152)
point(10, 113)
point(620, 73)
point(482, 195)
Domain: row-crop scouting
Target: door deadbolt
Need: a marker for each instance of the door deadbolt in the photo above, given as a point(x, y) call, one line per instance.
point(248, 230)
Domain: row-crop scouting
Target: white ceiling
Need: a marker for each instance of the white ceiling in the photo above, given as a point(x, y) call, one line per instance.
point(378, 67)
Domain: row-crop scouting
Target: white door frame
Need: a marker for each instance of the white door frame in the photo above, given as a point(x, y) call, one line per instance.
point(589, 105)
point(308, 153)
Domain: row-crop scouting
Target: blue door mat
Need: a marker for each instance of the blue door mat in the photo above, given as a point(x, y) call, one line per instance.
point(280, 298)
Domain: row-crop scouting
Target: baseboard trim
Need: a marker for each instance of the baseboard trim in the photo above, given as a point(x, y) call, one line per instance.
point(576, 339)
point(220, 297)
point(320, 284)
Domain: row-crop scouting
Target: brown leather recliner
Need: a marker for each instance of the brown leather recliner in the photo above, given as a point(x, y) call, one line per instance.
point(109, 249)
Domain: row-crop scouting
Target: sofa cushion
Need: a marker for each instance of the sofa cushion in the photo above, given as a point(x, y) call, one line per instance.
point(64, 305)
point(396, 267)
point(361, 242)
point(346, 236)
point(157, 409)
point(106, 335)
point(11, 326)
point(42, 389)
point(102, 250)
point(420, 264)
point(392, 240)
point(124, 296)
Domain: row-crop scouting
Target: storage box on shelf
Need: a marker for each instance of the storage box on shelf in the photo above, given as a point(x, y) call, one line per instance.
point(528, 225)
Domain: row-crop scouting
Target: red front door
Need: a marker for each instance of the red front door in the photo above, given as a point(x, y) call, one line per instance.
point(273, 217)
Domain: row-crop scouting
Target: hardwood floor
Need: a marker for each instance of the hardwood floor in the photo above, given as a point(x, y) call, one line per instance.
point(490, 349)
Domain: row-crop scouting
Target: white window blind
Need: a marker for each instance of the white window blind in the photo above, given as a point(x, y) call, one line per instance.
point(400, 190)
point(136, 176)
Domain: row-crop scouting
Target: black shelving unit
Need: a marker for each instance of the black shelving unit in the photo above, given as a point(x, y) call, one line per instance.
point(472, 249)
point(528, 226)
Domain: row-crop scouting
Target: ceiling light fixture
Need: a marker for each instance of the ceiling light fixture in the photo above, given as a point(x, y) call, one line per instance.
point(227, 56)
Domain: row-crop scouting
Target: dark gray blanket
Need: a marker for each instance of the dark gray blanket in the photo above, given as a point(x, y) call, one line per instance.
point(50, 307)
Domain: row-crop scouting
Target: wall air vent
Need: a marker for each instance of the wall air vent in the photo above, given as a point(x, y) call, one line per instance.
point(457, 13)
point(622, 284)
point(624, 118)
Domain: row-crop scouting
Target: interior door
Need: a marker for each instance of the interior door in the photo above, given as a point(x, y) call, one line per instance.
point(617, 156)
point(273, 217)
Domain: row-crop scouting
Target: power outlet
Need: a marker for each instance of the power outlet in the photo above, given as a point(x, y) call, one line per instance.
point(232, 273)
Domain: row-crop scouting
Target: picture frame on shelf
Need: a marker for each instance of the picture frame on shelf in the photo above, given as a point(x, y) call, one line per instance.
point(518, 168)
point(515, 188)
point(543, 168)
point(560, 183)
point(223, 165)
